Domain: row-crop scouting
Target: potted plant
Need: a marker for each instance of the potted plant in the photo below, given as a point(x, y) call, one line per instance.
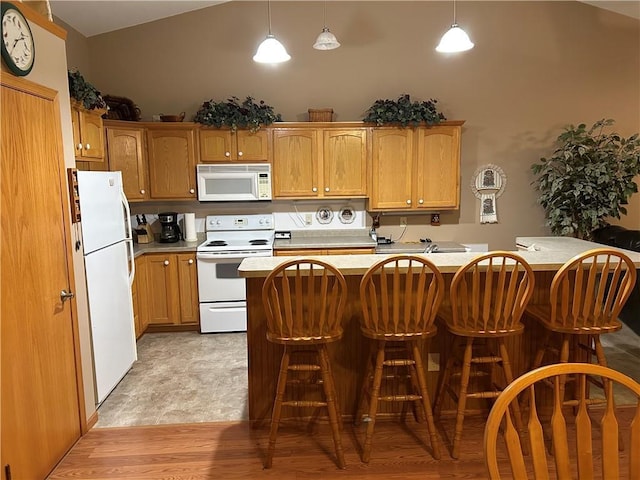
point(589, 177)
point(403, 112)
point(83, 92)
point(235, 114)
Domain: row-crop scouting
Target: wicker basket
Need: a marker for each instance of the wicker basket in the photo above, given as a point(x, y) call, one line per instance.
point(321, 114)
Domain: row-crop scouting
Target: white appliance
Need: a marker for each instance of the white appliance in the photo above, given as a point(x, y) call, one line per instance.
point(234, 182)
point(109, 266)
point(221, 292)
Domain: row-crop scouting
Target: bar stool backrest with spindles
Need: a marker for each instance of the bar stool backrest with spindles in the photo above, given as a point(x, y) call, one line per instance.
point(488, 297)
point(304, 300)
point(584, 443)
point(585, 298)
point(400, 296)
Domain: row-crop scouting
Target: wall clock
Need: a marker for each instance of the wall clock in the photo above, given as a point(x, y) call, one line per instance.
point(18, 46)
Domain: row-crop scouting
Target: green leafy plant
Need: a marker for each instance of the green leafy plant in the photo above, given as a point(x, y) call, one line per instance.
point(403, 112)
point(235, 114)
point(589, 177)
point(84, 92)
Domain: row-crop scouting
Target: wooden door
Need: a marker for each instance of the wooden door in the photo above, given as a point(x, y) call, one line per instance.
point(215, 145)
point(295, 163)
point(438, 173)
point(127, 152)
point(162, 289)
point(188, 285)
point(345, 162)
point(41, 403)
point(172, 162)
point(252, 146)
point(392, 169)
point(92, 135)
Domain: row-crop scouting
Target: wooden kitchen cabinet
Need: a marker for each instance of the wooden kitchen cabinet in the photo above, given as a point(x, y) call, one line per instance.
point(320, 162)
point(171, 289)
point(224, 145)
point(416, 168)
point(139, 297)
point(127, 152)
point(172, 161)
point(88, 135)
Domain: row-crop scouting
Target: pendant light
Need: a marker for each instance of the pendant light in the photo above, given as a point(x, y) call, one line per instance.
point(326, 40)
point(271, 50)
point(455, 39)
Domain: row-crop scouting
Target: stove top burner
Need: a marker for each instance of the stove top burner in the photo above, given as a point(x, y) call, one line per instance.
point(217, 243)
point(258, 241)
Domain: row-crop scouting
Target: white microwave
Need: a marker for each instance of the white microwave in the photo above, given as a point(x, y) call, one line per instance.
point(234, 182)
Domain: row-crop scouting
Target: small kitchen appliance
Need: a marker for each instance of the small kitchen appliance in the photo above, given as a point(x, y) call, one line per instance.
point(235, 182)
point(221, 292)
point(170, 230)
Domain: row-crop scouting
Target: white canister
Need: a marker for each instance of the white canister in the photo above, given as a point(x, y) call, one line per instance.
point(190, 227)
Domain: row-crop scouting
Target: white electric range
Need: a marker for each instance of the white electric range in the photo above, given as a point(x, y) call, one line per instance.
point(221, 292)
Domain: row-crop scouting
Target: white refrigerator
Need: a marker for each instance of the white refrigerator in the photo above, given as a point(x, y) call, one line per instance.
point(109, 266)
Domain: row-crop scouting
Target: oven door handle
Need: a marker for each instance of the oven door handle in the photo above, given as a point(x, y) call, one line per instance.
point(230, 256)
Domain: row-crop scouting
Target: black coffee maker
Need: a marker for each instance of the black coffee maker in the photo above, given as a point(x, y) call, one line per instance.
point(170, 231)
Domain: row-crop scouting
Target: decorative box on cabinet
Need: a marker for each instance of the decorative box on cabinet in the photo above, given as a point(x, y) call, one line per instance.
point(415, 169)
point(172, 290)
point(127, 152)
point(172, 161)
point(320, 162)
point(224, 145)
point(88, 135)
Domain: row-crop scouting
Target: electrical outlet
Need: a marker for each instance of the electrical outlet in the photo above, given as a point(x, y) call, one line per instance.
point(308, 218)
point(403, 221)
point(433, 362)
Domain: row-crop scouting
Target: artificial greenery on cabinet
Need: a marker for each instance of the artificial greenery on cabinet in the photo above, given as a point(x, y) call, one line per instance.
point(403, 112)
point(84, 92)
point(589, 178)
point(236, 114)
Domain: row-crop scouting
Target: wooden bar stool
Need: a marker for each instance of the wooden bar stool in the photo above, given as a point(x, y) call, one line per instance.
point(488, 297)
point(585, 299)
point(304, 300)
point(400, 296)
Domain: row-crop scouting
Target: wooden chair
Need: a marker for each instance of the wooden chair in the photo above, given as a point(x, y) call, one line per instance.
point(400, 296)
point(304, 300)
point(586, 297)
point(488, 296)
point(579, 450)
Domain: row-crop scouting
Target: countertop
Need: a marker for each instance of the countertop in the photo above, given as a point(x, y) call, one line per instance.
point(551, 254)
point(176, 247)
point(418, 247)
point(330, 238)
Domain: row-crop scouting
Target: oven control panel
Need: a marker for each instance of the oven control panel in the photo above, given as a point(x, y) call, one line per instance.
point(239, 222)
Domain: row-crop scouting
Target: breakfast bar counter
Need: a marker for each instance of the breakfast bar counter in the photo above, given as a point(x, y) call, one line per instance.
point(545, 255)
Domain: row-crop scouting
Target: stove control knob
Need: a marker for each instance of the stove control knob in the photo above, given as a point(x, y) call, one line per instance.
point(218, 222)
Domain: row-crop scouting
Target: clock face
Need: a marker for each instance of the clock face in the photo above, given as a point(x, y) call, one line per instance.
point(17, 41)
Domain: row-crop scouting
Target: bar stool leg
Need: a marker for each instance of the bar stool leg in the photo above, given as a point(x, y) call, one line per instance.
point(508, 375)
point(462, 396)
point(373, 402)
point(537, 360)
point(277, 406)
point(426, 401)
point(332, 407)
point(366, 385)
point(445, 377)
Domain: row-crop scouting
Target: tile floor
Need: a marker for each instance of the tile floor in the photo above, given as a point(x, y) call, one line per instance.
point(187, 377)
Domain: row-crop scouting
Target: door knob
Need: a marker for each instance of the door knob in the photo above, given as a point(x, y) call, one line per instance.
point(64, 295)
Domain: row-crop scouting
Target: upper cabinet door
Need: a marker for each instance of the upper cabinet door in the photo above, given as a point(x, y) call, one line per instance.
point(88, 134)
point(223, 145)
point(253, 146)
point(216, 145)
point(172, 161)
point(392, 169)
point(345, 162)
point(126, 150)
point(295, 162)
point(438, 172)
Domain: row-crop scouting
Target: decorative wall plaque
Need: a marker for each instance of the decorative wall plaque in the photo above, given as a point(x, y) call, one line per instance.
point(488, 183)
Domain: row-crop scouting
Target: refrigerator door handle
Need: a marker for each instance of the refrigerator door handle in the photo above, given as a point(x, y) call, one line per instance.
point(129, 237)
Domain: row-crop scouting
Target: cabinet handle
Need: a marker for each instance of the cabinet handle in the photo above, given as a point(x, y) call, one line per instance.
point(191, 190)
point(143, 191)
point(190, 262)
point(166, 262)
point(227, 154)
point(421, 201)
point(314, 189)
point(408, 202)
point(240, 154)
point(79, 147)
point(88, 147)
point(326, 189)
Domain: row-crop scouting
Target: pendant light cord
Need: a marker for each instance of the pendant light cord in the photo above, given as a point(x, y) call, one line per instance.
point(454, 13)
point(325, 14)
point(269, 14)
